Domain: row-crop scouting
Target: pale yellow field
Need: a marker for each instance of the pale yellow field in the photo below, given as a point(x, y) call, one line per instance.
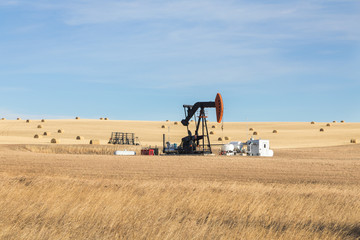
point(310, 189)
point(290, 135)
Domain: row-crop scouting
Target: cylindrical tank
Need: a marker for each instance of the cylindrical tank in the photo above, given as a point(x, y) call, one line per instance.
point(227, 148)
point(125, 153)
point(237, 145)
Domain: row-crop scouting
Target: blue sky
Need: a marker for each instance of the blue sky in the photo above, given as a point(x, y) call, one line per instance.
point(141, 60)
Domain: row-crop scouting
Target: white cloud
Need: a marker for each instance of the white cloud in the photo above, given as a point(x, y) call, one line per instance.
point(284, 19)
point(250, 35)
point(280, 20)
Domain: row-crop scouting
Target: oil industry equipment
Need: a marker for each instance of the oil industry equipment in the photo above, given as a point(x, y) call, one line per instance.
point(123, 138)
point(199, 142)
point(252, 147)
point(150, 151)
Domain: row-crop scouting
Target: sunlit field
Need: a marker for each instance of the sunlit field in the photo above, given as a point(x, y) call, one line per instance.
point(298, 194)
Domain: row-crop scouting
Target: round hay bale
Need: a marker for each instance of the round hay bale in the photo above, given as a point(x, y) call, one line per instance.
point(47, 133)
point(54, 140)
point(322, 130)
point(353, 141)
point(328, 125)
point(167, 120)
point(163, 126)
point(39, 126)
point(60, 131)
point(28, 120)
point(37, 136)
point(342, 121)
point(95, 142)
point(334, 121)
point(101, 118)
point(212, 132)
point(77, 118)
point(79, 138)
point(3, 119)
point(275, 131)
point(213, 126)
point(106, 119)
point(42, 120)
point(227, 138)
point(312, 122)
point(255, 133)
point(251, 129)
point(18, 119)
point(175, 123)
point(220, 139)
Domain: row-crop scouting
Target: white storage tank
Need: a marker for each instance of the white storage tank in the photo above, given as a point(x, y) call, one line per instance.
point(125, 153)
point(237, 145)
point(227, 149)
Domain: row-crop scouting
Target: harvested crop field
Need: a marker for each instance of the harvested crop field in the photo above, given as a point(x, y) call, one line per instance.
point(302, 193)
point(290, 134)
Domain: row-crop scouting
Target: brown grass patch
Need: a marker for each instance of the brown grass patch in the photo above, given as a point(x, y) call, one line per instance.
point(85, 149)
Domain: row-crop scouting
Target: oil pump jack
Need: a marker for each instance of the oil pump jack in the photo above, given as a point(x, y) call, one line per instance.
point(199, 142)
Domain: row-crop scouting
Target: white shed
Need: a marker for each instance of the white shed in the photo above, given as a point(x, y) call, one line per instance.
point(259, 147)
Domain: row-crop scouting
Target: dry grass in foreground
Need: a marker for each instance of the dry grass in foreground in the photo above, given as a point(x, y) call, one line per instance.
point(42, 208)
point(75, 149)
point(300, 194)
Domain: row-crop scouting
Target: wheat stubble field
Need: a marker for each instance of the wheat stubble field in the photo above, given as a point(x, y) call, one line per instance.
point(79, 192)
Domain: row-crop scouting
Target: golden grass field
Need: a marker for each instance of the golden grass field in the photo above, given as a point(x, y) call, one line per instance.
point(290, 135)
point(310, 189)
